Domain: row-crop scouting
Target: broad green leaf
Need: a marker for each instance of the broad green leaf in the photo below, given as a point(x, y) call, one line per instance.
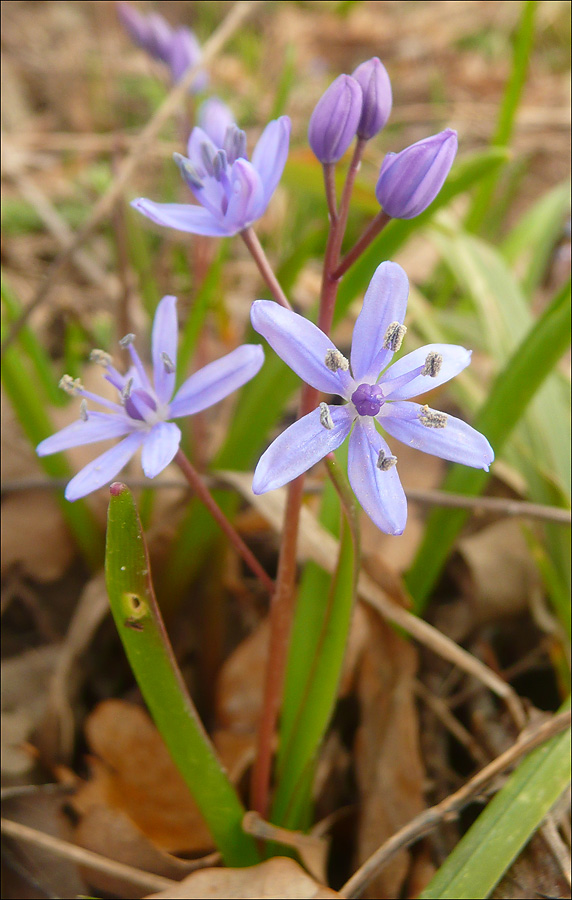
point(486, 851)
point(509, 397)
point(151, 658)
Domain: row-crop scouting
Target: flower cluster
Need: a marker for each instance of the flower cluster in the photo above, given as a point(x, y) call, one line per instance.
point(370, 398)
point(359, 105)
point(178, 48)
point(233, 192)
point(141, 415)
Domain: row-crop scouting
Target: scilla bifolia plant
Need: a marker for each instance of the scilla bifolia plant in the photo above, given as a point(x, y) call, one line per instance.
point(231, 192)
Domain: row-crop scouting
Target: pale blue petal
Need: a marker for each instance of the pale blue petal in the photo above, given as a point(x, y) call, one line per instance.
point(161, 444)
point(379, 493)
point(299, 343)
point(300, 447)
point(385, 302)
point(104, 468)
point(99, 427)
point(217, 380)
point(457, 441)
point(246, 202)
point(181, 216)
point(164, 340)
point(271, 152)
point(455, 359)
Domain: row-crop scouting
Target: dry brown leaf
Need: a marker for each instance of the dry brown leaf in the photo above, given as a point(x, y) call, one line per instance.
point(112, 833)
point(276, 879)
point(387, 756)
point(238, 698)
point(134, 773)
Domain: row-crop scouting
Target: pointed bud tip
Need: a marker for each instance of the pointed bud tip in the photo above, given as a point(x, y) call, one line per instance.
point(117, 488)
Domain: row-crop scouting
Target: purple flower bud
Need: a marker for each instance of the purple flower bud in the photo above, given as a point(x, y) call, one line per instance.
point(335, 119)
point(409, 181)
point(376, 86)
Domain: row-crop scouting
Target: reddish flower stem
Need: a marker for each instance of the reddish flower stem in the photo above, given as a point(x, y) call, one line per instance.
point(205, 497)
point(329, 170)
point(284, 599)
point(371, 232)
point(255, 247)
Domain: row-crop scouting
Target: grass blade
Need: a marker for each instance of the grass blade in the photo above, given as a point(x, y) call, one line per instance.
point(508, 400)
point(150, 656)
point(486, 851)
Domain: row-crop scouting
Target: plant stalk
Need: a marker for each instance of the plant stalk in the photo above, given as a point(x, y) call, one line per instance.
point(250, 238)
point(205, 497)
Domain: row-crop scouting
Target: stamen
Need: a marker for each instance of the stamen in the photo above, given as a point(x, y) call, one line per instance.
point(335, 360)
point(168, 363)
point(127, 340)
point(432, 419)
point(71, 386)
point(188, 171)
point(83, 411)
point(235, 143)
point(325, 417)
point(100, 358)
point(394, 336)
point(220, 165)
point(433, 364)
point(126, 391)
point(385, 462)
point(208, 157)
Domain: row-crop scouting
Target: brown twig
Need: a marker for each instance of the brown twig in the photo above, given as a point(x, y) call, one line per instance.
point(145, 881)
point(103, 207)
point(452, 805)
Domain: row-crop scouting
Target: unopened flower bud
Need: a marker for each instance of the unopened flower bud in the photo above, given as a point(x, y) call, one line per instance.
point(374, 81)
point(335, 119)
point(409, 181)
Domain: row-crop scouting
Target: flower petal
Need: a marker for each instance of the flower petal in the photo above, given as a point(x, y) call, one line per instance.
point(299, 343)
point(104, 468)
point(300, 447)
point(98, 427)
point(385, 302)
point(246, 202)
point(159, 448)
point(164, 340)
point(214, 118)
point(457, 441)
point(197, 139)
point(455, 359)
point(271, 152)
point(379, 493)
point(217, 380)
point(181, 216)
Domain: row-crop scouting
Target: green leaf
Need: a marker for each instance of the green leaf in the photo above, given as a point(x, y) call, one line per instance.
point(315, 664)
point(486, 851)
point(530, 243)
point(510, 395)
point(150, 656)
point(481, 207)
